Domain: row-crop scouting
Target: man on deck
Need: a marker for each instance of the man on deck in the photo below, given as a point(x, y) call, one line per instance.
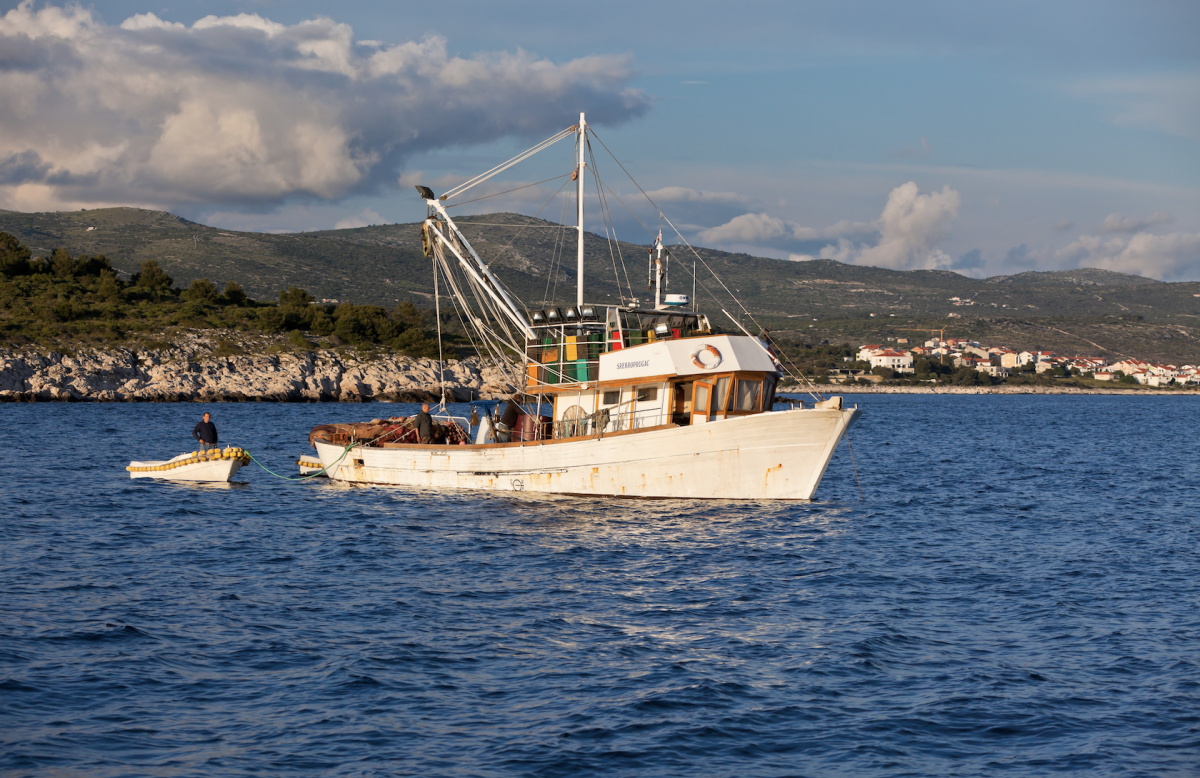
point(424, 424)
point(206, 433)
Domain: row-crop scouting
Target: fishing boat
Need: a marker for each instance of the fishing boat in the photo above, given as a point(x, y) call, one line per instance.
point(213, 465)
point(627, 400)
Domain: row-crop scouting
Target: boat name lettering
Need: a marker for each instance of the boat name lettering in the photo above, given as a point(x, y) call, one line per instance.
point(639, 363)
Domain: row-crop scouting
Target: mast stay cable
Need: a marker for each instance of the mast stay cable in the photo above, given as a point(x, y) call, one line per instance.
point(479, 179)
point(812, 387)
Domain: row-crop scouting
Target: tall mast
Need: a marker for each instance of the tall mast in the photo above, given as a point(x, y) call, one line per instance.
point(579, 197)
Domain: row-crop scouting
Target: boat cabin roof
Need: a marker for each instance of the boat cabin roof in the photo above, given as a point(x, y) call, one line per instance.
point(685, 357)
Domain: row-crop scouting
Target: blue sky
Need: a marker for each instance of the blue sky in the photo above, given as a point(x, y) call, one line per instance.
point(982, 137)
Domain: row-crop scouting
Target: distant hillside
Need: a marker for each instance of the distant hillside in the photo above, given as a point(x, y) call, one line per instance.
point(1088, 276)
point(384, 265)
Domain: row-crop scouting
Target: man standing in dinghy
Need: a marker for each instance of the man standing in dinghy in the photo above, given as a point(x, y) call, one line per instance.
point(206, 433)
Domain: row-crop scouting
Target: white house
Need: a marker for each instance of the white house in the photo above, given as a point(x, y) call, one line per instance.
point(865, 352)
point(900, 361)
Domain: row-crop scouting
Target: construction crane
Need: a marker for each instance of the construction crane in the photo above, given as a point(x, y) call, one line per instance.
point(941, 338)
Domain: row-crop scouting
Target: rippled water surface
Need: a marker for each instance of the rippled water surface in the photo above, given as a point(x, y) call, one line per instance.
point(1017, 594)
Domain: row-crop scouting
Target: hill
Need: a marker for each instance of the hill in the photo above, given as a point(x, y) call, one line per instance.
point(383, 265)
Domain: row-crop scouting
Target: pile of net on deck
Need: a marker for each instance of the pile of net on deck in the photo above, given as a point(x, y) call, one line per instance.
point(396, 429)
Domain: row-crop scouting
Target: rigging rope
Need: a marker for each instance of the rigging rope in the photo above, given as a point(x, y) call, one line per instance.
point(663, 217)
point(479, 179)
point(607, 214)
point(437, 313)
point(602, 187)
point(507, 191)
point(559, 239)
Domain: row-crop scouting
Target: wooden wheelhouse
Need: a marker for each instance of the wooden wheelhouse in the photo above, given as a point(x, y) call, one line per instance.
point(634, 369)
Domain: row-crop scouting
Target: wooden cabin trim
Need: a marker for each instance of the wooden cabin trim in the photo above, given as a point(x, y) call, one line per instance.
point(447, 448)
point(588, 386)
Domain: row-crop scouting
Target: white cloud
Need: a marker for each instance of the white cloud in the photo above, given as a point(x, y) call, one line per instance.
point(909, 227)
point(749, 227)
point(762, 227)
point(682, 194)
point(1165, 257)
point(244, 110)
point(364, 219)
point(1115, 222)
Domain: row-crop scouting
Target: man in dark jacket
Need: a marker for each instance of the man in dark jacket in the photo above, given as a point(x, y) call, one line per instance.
point(205, 432)
point(424, 423)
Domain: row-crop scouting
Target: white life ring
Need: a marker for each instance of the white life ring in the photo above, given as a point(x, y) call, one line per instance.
point(707, 357)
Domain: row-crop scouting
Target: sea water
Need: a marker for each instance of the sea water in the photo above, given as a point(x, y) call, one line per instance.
point(1016, 591)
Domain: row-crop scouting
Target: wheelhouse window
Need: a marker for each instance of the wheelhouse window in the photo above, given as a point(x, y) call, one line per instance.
point(749, 392)
point(647, 393)
point(721, 396)
point(611, 398)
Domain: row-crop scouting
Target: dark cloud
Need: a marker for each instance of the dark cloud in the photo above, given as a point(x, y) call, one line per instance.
point(242, 110)
point(1018, 256)
point(22, 167)
point(972, 260)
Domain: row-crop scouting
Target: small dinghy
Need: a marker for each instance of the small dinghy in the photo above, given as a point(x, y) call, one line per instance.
point(211, 465)
point(310, 465)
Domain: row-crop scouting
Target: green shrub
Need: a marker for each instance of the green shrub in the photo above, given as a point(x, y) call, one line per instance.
point(109, 287)
point(270, 319)
point(364, 324)
point(61, 264)
point(14, 257)
point(235, 294)
point(297, 339)
point(295, 297)
point(415, 343)
point(152, 277)
point(201, 291)
point(321, 323)
point(82, 298)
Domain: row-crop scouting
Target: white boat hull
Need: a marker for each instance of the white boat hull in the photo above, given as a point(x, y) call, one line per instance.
point(211, 470)
point(768, 456)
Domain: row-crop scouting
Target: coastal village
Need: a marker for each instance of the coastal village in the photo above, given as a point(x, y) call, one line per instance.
point(899, 356)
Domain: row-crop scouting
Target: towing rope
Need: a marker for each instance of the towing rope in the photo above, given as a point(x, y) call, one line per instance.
point(345, 451)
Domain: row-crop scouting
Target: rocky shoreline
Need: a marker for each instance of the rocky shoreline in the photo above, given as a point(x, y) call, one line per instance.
point(226, 366)
point(194, 369)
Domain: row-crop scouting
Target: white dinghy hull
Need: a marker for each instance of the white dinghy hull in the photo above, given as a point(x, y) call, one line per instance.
point(189, 467)
point(780, 455)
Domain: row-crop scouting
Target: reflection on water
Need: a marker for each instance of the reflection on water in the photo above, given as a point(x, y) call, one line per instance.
point(1005, 599)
